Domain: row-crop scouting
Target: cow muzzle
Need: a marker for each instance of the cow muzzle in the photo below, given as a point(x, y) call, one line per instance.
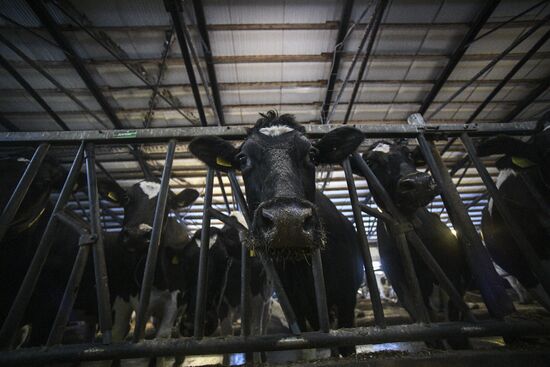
point(135, 238)
point(415, 190)
point(287, 228)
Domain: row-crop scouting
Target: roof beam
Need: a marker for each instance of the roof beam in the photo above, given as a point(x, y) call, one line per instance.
point(47, 20)
point(377, 18)
point(7, 124)
point(207, 49)
point(11, 70)
point(476, 26)
point(531, 97)
point(337, 56)
point(174, 8)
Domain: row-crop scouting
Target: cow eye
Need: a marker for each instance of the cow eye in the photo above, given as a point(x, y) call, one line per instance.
point(313, 154)
point(243, 159)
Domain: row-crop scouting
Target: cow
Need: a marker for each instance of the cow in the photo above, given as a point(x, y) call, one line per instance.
point(290, 218)
point(394, 164)
point(129, 252)
point(524, 184)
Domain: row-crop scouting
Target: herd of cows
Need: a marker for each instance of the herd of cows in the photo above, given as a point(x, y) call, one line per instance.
point(290, 220)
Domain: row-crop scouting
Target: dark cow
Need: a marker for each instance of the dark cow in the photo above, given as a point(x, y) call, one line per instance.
point(290, 217)
point(129, 252)
point(394, 164)
point(19, 244)
point(224, 282)
point(524, 184)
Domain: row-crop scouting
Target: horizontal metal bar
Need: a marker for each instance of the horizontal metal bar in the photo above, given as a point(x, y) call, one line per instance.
point(239, 132)
point(233, 344)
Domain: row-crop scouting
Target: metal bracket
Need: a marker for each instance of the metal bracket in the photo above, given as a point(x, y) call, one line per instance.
point(87, 239)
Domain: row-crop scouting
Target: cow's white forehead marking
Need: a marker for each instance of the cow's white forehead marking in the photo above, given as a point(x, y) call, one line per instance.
point(213, 239)
point(275, 130)
point(382, 147)
point(21, 159)
point(149, 188)
point(145, 227)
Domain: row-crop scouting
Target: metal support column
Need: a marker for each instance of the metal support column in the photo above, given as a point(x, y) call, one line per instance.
point(200, 306)
point(488, 281)
point(154, 243)
point(98, 251)
point(364, 247)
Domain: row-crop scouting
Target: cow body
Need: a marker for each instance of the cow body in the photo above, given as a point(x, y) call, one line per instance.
point(395, 166)
point(290, 219)
point(524, 184)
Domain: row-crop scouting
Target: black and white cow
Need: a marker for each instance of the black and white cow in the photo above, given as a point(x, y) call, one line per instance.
point(129, 252)
point(290, 217)
point(524, 184)
point(394, 164)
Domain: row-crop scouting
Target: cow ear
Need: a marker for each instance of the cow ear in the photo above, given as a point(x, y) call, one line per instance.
point(418, 157)
point(215, 152)
point(338, 144)
point(112, 191)
point(509, 146)
point(185, 198)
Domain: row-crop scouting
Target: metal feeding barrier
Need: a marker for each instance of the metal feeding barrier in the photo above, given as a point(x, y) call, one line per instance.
point(492, 290)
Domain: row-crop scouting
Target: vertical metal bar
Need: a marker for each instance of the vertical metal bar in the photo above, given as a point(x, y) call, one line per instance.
point(320, 291)
point(154, 244)
point(364, 247)
point(224, 194)
point(69, 297)
point(535, 264)
point(21, 301)
point(203, 258)
point(266, 261)
point(98, 251)
point(245, 258)
point(22, 188)
point(488, 281)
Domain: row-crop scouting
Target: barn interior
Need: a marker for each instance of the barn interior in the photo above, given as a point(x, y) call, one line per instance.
point(95, 66)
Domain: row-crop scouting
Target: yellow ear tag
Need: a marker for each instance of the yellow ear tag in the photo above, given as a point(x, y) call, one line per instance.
point(111, 195)
point(222, 162)
point(175, 260)
point(252, 253)
point(522, 162)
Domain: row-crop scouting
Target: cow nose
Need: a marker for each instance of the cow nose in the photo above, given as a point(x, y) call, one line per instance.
point(406, 184)
point(287, 224)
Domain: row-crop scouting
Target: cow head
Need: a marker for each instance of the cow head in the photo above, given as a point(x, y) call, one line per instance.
point(49, 178)
point(139, 203)
point(394, 164)
point(278, 164)
point(520, 154)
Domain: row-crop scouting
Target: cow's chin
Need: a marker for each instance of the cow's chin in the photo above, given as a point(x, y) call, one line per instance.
point(285, 246)
point(410, 201)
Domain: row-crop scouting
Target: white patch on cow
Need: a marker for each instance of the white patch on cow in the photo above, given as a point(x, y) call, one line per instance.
point(276, 130)
point(150, 188)
point(240, 218)
point(546, 128)
point(211, 242)
point(21, 159)
point(503, 175)
point(145, 227)
point(382, 147)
